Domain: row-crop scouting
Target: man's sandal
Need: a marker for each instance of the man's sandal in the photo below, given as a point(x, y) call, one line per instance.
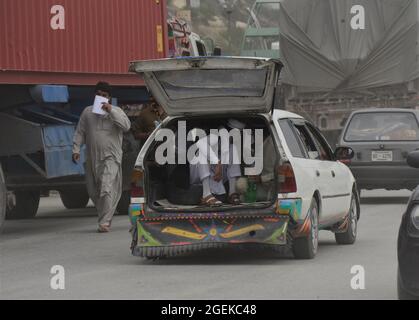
point(234, 199)
point(211, 201)
point(104, 229)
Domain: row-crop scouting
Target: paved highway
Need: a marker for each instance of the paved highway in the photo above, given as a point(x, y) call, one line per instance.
point(99, 266)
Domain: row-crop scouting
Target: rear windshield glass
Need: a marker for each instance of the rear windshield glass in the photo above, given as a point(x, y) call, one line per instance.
point(390, 126)
point(189, 84)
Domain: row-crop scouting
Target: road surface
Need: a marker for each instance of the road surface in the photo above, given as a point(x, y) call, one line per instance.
point(100, 266)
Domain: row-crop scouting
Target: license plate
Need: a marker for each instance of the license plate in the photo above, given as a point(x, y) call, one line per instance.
point(382, 156)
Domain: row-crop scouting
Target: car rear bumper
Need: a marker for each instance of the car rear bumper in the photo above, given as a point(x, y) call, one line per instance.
point(171, 236)
point(207, 233)
point(385, 177)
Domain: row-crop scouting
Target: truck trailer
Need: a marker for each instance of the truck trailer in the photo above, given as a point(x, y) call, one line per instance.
point(52, 54)
point(339, 56)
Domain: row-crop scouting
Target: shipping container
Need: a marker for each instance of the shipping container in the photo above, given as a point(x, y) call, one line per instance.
point(339, 56)
point(75, 42)
point(52, 53)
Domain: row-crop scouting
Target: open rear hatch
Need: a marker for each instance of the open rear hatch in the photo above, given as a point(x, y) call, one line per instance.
point(211, 85)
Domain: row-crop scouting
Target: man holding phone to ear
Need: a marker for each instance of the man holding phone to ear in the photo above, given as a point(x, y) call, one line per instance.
point(102, 134)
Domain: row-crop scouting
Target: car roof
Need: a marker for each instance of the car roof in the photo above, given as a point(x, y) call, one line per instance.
point(281, 114)
point(384, 110)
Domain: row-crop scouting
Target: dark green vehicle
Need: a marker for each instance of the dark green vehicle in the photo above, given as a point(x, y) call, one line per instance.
point(261, 38)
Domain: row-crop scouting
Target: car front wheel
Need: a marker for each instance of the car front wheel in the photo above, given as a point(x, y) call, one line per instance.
point(307, 247)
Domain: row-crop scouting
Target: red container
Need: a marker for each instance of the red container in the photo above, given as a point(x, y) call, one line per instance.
point(78, 42)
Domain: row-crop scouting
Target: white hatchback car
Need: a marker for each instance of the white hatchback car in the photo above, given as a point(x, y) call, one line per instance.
point(309, 189)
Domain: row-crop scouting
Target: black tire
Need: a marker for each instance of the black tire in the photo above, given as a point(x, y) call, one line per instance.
point(123, 204)
point(3, 198)
point(401, 291)
point(74, 199)
point(349, 237)
point(27, 204)
point(306, 248)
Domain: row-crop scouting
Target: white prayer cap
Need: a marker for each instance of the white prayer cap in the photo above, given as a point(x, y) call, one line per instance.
point(236, 124)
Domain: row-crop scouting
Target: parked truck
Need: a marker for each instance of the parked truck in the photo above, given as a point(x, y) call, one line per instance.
point(339, 56)
point(52, 53)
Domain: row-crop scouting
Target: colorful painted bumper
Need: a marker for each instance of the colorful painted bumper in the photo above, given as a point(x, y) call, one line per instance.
point(189, 232)
point(266, 230)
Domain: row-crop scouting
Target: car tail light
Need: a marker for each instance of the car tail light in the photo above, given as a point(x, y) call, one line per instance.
point(137, 185)
point(287, 183)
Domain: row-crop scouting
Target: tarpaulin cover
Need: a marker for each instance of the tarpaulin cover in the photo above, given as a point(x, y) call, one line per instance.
point(322, 52)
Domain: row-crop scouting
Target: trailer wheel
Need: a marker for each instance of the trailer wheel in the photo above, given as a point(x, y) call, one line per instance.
point(27, 204)
point(3, 198)
point(74, 199)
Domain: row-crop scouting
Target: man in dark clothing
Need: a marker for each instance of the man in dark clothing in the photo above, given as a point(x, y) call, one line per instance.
point(148, 120)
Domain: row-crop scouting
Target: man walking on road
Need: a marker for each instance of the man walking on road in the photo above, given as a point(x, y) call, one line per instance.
point(102, 135)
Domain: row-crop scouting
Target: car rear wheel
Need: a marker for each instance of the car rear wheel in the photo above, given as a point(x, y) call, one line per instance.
point(75, 198)
point(349, 237)
point(307, 247)
point(27, 203)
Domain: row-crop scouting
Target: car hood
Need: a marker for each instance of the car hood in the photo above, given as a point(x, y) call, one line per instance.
point(209, 85)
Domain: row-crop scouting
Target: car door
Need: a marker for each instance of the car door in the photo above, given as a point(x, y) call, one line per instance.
point(338, 190)
point(305, 169)
point(318, 177)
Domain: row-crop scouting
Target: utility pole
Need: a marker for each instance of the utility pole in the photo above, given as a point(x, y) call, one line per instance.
point(229, 6)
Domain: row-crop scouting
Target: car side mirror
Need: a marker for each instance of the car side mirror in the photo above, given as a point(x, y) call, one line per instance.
point(344, 154)
point(413, 159)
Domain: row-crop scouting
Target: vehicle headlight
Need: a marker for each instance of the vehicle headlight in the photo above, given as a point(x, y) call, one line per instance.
point(415, 217)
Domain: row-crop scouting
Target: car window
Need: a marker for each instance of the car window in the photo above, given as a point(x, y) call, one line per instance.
point(307, 141)
point(325, 152)
point(293, 143)
point(201, 49)
point(189, 84)
point(383, 126)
